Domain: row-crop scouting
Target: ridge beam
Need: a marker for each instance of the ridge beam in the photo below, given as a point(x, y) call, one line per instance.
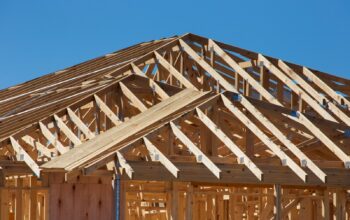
point(173, 71)
point(200, 156)
point(157, 155)
point(316, 95)
point(241, 156)
point(37, 145)
point(295, 88)
point(108, 112)
point(80, 124)
point(132, 97)
point(327, 89)
point(125, 165)
point(304, 160)
point(155, 87)
point(21, 154)
point(53, 140)
point(64, 128)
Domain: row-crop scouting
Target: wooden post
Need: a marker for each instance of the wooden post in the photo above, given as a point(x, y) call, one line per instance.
point(122, 200)
point(189, 202)
point(174, 201)
point(214, 140)
point(4, 208)
point(19, 194)
point(264, 79)
point(339, 202)
point(278, 202)
point(33, 199)
point(249, 140)
point(325, 204)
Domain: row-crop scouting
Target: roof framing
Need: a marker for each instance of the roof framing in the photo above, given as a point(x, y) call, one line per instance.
point(160, 102)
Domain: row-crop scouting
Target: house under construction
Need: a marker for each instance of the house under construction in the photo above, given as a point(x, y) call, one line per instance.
point(184, 127)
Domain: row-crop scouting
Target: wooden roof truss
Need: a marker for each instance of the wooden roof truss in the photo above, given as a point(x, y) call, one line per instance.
point(188, 108)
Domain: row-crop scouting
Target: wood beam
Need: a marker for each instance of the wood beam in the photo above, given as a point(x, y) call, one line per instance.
point(304, 160)
point(278, 202)
point(327, 89)
point(125, 165)
point(246, 76)
point(80, 124)
point(68, 132)
point(53, 140)
point(173, 71)
point(200, 156)
point(289, 207)
point(132, 97)
point(21, 154)
point(107, 111)
point(157, 155)
point(326, 140)
point(241, 156)
point(322, 100)
point(236, 174)
point(37, 145)
point(254, 111)
point(295, 88)
point(162, 94)
point(305, 121)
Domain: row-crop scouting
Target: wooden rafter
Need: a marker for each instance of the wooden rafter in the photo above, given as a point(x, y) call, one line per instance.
point(148, 77)
point(200, 156)
point(80, 124)
point(157, 155)
point(241, 156)
point(71, 136)
point(109, 113)
point(328, 90)
point(21, 154)
point(124, 164)
point(52, 139)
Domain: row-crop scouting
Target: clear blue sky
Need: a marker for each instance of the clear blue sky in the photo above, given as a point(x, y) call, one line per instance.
point(39, 37)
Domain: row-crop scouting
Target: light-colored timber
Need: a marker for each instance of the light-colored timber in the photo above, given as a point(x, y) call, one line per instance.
point(184, 127)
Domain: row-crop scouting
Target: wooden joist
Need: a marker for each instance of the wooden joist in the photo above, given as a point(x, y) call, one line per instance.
point(152, 83)
point(132, 97)
point(309, 125)
point(37, 145)
point(322, 100)
point(157, 155)
point(80, 124)
point(124, 164)
point(241, 156)
point(52, 139)
point(108, 112)
point(255, 112)
point(106, 141)
point(112, 94)
point(21, 154)
point(236, 174)
point(327, 89)
point(270, 144)
point(326, 140)
point(68, 132)
point(246, 76)
point(200, 156)
point(173, 71)
point(280, 75)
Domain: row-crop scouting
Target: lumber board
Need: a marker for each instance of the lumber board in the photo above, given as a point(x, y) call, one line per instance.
point(107, 140)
